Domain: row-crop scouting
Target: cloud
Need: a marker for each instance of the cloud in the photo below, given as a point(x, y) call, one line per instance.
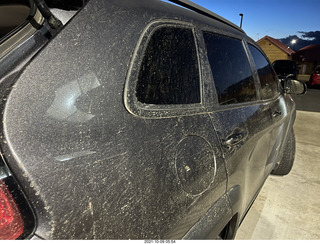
point(311, 35)
point(306, 38)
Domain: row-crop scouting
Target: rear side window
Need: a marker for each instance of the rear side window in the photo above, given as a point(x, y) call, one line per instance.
point(268, 80)
point(169, 72)
point(230, 69)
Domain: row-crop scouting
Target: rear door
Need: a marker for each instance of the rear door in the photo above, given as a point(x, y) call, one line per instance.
point(275, 101)
point(243, 123)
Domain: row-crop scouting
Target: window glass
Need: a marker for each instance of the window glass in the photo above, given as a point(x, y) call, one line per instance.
point(268, 80)
point(169, 72)
point(230, 69)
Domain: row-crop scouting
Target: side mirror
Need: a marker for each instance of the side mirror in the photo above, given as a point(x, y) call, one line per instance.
point(294, 87)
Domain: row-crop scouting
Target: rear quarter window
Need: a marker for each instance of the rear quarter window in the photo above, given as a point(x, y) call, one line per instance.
point(164, 78)
point(169, 72)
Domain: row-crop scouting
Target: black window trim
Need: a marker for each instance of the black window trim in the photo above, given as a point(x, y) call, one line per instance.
point(253, 69)
point(162, 110)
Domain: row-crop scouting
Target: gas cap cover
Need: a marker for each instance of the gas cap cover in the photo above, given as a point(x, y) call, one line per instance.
point(195, 164)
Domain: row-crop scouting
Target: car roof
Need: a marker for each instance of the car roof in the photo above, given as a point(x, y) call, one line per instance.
point(201, 10)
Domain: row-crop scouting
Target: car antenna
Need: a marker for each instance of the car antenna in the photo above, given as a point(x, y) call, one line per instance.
point(201, 10)
point(241, 20)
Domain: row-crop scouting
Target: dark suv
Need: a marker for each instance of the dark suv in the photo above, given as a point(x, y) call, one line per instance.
point(136, 119)
point(283, 68)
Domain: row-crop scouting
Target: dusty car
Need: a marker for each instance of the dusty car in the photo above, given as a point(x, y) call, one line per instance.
point(137, 119)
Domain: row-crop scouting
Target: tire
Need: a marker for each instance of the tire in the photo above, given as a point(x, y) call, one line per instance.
point(286, 163)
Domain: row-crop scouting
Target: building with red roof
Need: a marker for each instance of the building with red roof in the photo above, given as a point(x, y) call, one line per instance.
point(275, 49)
point(308, 58)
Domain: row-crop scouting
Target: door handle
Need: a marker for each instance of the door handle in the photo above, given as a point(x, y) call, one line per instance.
point(236, 138)
point(276, 113)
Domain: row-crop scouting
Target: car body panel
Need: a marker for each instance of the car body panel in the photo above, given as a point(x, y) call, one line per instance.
point(245, 160)
point(94, 165)
point(77, 143)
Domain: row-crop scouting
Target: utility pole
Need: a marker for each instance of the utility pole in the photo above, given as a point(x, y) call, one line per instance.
point(241, 20)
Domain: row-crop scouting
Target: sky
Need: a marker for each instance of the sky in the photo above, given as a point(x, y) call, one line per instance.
point(275, 18)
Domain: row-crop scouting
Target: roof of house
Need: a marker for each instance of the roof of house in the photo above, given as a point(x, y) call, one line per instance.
point(279, 44)
point(309, 53)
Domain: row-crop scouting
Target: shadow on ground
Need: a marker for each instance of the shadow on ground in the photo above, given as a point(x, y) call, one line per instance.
point(309, 101)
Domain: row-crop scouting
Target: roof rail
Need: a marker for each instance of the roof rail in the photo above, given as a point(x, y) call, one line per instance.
point(201, 10)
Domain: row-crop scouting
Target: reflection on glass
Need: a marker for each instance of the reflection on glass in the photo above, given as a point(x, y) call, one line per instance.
point(63, 106)
point(268, 81)
point(230, 69)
